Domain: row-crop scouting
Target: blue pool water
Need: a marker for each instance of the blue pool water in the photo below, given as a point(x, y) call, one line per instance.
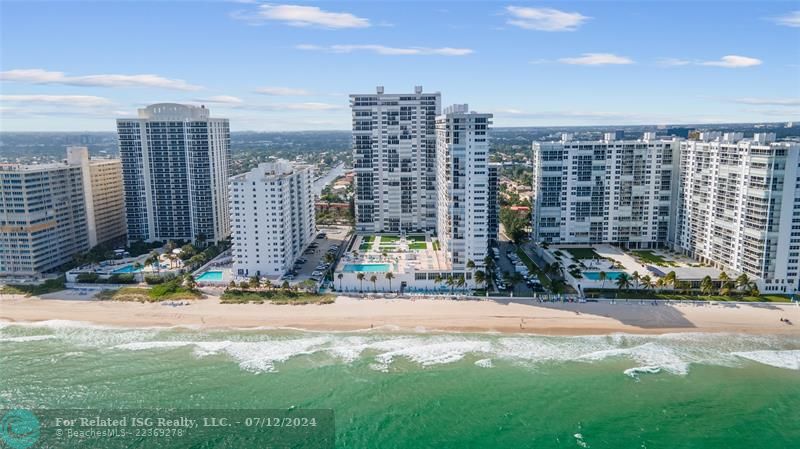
point(595, 275)
point(126, 269)
point(210, 276)
point(366, 267)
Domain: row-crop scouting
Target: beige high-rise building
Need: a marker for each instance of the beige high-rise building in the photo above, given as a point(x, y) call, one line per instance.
point(104, 195)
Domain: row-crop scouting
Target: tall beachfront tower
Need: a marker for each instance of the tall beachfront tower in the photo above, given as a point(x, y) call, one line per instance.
point(605, 191)
point(104, 195)
point(175, 169)
point(394, 156)
point(463, 185)
point(739, 207)
point(42, 218)
point(272, 217)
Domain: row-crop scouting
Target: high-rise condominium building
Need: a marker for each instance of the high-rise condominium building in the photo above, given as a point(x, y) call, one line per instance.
point(462, 177)
point(103, 194)
point(42, 218)
point(175, 169)
point(272, 215)
point(739, 207)
point(394, 156)
point(607, 191)
point(494, 203)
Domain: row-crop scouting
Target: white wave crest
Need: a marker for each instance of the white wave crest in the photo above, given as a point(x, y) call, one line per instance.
point(779, 359)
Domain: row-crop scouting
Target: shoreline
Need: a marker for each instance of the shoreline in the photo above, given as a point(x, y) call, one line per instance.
point(419, 315)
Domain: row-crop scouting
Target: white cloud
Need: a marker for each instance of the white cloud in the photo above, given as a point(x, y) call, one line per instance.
point(282, 91)
point(62, 100)
point(40, 76)
point(384, 50)
point(221, 99)
point(544, 19)
point(769, 101)
point(310, 106)
point(597, 59)
point(790, 20)
point(298, 15)
point(733, 62)
point(673, 62)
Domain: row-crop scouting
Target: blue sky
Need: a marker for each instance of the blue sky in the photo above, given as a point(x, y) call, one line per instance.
point(75, 66)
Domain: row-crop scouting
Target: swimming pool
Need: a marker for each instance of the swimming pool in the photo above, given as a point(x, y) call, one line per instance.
point(595, 275)
point(126, 269)
point(366, 267)
point(210, 276)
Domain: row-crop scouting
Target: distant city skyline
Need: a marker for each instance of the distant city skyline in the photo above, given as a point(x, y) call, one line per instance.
point(77, 66)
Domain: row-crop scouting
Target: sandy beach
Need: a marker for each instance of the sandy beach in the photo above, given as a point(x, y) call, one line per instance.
point(347, 313)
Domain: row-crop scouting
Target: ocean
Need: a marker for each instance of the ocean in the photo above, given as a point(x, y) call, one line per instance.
point(428, 389)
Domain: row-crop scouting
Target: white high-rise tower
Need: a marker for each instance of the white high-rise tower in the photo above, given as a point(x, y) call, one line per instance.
point(394, 156)
point(175, 169)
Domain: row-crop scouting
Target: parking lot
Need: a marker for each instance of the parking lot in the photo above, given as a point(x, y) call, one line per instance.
point(315, 255)
point(505, 265)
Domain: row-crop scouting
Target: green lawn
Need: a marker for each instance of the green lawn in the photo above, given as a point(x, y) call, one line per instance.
point(389, 239)
point(655, 259)
point(48, 286)
point(418, 245)
point(275, 296)
point(365, 246)
point(416, 238)
point(368, 239)
point(582, 253)
point(146, 295)
point(651, 294)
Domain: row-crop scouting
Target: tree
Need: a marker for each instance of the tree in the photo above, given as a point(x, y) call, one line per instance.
point(374, 280)
point(451, 282)
point(635, 278)
point(515, 223)
point(645, 281)
point(189, 282)
point(460, 282)
point(488, 262)
point(266, 283)
point(137, 266)
point(707, 285)
point(659, 283)
point(743, 281)
point(623, 281)
point(389, 276)
point(516, 279)
point(437, 279)
point(340, 276)
point(254, 282)
point(200, 238)
point(232, 284)
point(602, 276)
point(671, 278)
point(286, 285)
point(753, 287)
point(309, 286)
point(725, 284)
point(470, 265)
point(480, 278)
point(169, 246)
point(360, 277)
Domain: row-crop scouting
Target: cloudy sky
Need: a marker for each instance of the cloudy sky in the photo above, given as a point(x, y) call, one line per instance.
point(75, 66)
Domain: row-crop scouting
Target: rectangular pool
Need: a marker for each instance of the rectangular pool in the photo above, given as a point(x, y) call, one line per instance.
point(595, 275)
point(210, 276)
point(366, 267)
point(126, 269)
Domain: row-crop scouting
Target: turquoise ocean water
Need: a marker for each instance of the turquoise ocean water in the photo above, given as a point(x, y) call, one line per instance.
point(424, 390)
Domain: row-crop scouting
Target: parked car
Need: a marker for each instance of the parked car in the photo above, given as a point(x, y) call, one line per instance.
point(301, 260)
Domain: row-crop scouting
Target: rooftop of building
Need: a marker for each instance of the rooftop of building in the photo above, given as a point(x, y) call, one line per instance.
point(278, 168)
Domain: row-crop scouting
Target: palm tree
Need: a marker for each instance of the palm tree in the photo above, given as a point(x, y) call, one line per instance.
point(659, 283)
point(438, 279)
point(480, 278)
point(340, 276)
point(137, 266)
point(470, 265)
point(460, 282)
point(602, 276)
point(450, 282)
point(635, 278)
point(725, 283)
point(646, 281)
point(389, 276)
point(488, 262)
point(743, 281)
point(286, 285)
point(267, 284)
point(254, 282)
point(374, 280)
point(753, 287)
point(707, 285)
point(623, 281)
point(189, 282)
point(671, 278)
point(360, 277)
point(232, 284)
